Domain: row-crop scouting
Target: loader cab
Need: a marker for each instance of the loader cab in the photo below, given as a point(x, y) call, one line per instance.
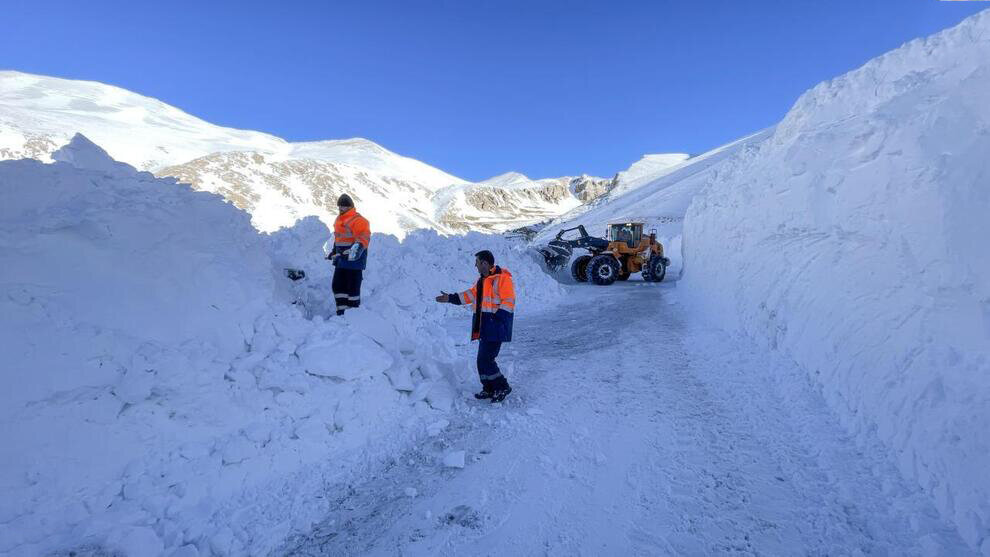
point(629, 233)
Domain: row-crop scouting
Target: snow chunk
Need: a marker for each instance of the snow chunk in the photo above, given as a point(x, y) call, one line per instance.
point(357, 356)
point(136, 542)
point(454, 459)
point(437, 427)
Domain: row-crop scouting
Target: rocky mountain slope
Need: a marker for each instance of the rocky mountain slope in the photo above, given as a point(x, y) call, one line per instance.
point(277, 181)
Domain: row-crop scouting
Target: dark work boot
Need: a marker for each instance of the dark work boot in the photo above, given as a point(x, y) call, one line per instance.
point(499, 395)
point(482, 395)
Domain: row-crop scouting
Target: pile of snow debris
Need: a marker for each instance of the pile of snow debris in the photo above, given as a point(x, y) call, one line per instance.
point(854, 240)
point(168, 388)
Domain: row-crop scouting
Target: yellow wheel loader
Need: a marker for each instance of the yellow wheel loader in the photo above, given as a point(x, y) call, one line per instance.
point(623, 251)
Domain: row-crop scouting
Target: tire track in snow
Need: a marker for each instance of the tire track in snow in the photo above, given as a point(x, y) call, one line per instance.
point(632, 431)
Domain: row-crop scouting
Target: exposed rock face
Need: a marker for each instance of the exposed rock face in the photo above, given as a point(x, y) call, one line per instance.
point(587, 188)
point(38, 147)
point(277, 191)
point(512, 200)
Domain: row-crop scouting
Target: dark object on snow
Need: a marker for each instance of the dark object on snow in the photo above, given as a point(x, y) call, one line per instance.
point(483, 394)
point(295, 274)
point(345, 201)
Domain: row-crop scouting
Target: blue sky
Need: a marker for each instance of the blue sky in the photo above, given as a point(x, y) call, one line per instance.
point(476, 88)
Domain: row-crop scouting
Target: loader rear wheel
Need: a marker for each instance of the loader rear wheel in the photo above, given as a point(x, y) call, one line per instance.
point(603, 270)
point(657, 268)
point(579, 268)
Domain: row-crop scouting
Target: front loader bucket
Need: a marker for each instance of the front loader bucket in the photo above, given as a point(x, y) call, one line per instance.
point(555, 255)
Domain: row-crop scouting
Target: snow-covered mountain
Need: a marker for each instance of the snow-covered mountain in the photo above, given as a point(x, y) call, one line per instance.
point(277, 181)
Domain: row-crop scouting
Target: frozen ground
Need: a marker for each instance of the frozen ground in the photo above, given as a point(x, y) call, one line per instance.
point(676, 440)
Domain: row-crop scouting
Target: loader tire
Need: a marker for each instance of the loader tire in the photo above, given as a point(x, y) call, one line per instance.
point(657, 268)
point(579, 268)
point(603, 270)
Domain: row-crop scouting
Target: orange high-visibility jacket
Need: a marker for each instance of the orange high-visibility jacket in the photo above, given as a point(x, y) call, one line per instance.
point(351, 228)
point(493, 312)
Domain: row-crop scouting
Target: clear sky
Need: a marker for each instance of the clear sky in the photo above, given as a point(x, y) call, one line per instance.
point(477, 88)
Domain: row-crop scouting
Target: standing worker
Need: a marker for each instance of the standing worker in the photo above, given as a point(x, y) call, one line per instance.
point(494, 300)
point(351, 236)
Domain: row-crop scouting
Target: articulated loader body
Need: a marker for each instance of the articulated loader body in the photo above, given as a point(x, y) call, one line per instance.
point(624, 251)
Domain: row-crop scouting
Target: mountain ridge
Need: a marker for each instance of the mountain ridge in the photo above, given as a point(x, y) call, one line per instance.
point(276, 180)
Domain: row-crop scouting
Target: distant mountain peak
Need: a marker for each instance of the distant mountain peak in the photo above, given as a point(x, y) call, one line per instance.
point(507, 179)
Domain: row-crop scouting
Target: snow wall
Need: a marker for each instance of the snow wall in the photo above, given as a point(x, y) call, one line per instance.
point(855, 239)
point(166, 387)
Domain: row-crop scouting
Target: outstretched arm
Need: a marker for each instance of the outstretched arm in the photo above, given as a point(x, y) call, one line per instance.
point(445, 298)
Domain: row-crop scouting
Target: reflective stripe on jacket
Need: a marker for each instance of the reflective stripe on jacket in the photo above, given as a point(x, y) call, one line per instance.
point(351, 228)
point(494, 310)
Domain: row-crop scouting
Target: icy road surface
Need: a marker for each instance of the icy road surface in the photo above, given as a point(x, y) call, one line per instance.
point(633, 431)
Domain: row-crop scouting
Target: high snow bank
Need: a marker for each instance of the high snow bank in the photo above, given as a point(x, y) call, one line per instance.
point(167, 386)
point(855, 241)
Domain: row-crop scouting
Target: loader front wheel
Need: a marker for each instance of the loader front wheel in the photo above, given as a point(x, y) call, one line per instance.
point(658, 269)
point(603, 270)
point(579, 268)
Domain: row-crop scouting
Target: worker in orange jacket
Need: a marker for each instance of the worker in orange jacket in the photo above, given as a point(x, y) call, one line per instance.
point(494, 299)
point(351, 237)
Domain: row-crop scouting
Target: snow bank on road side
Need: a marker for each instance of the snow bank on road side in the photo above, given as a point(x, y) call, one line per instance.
point(168, 387)
point(855, 240)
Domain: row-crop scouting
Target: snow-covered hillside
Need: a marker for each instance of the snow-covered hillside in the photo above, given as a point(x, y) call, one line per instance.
point(647, 169)
point(168, 386)
point(854, 240)
point(278, 182)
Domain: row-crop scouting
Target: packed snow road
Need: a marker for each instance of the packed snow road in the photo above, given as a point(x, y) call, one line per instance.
point(633, 431)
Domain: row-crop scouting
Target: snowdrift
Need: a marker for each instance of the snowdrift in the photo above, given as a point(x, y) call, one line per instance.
point(167, 387)
point(854, 239)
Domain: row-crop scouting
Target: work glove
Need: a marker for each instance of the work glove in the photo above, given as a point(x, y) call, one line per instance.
point(354, 253)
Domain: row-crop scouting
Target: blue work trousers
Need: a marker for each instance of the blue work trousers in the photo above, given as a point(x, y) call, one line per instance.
point(491, 377)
